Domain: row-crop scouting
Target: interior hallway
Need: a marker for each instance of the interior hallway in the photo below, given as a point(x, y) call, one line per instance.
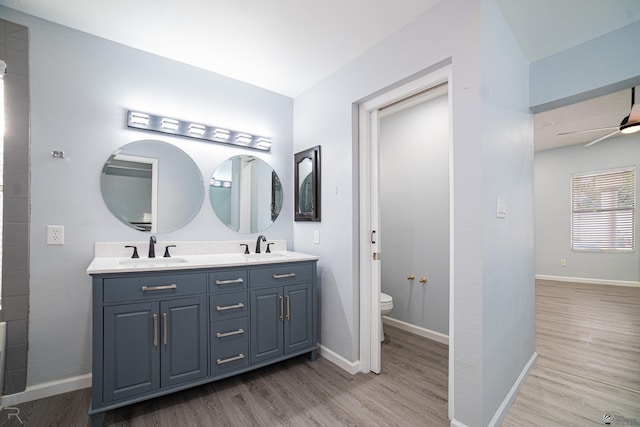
point(588, 344)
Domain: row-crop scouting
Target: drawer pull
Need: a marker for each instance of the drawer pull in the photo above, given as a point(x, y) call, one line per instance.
point(228, 334)
point(284, 276)
point(229, 307)
point(230, 282)
point(231, 359)
point(159, 288)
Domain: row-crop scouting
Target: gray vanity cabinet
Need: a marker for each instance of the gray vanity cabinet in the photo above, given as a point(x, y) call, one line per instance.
point(156, 333)
point(282, 310)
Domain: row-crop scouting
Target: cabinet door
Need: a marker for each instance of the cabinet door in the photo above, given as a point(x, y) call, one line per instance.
point(298, 323)
point(131, 352)
point(183, 340)
point(267, 306)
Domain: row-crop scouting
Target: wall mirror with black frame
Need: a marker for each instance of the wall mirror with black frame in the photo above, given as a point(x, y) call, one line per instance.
point(307, 184)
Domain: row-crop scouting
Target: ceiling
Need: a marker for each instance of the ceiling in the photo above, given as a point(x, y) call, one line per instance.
point(287, 46)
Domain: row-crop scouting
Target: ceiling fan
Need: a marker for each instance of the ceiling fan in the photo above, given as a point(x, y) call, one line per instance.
point(630, 124)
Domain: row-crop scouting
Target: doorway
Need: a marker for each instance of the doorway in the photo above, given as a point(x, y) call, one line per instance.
point(372, 251)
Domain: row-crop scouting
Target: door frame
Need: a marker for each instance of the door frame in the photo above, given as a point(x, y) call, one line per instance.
point(369, 244)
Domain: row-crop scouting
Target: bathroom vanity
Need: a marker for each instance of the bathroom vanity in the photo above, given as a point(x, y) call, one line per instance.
point(164, 325)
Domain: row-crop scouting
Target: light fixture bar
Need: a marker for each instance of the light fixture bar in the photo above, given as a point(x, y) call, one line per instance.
point(176, 127)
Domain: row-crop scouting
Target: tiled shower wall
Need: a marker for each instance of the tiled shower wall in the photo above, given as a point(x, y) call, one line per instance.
point(14, 50)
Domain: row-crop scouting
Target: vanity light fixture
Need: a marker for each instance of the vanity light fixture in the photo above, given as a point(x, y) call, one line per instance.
point(175, 127)
point(170, 124)
point(243, 138)
point(198, 130)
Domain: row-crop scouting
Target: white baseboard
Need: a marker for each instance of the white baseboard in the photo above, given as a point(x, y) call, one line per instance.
point(40, 391)
point(588, 280)
point(336, 359)
point(508, 400)
point(456, 423)
point(418, 330)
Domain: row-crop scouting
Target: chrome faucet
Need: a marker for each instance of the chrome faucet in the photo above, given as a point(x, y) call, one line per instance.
point(152, 247)
point(260, 238)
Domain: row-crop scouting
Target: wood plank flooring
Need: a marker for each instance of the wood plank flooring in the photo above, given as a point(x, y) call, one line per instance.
point(588, 344)
point(410, 391)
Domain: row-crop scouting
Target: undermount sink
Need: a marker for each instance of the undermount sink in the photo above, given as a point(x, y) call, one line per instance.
point(265, 256)
point(152, 261)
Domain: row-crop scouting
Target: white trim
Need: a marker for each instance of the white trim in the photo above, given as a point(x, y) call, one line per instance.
point(510, 397)
point(369, 301)
point(456, 423)
point(342, 363)
point(417, 330)
point(52, 388)
point(589, 281)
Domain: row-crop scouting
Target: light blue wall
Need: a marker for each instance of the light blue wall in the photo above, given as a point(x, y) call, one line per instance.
point(508, 244)
point(603, 65)
point(414, 212)
point(80, 88)
point(553, 169)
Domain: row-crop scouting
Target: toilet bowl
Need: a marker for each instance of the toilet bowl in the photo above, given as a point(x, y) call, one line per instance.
point(386, 305)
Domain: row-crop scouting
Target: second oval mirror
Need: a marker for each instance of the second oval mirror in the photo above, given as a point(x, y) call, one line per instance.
point(246, 194)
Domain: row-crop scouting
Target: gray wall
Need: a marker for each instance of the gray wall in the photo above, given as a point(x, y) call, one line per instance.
point(414, 212)
point(553, 169)
point(454, 30)
point(80, 88)
point(508, 298)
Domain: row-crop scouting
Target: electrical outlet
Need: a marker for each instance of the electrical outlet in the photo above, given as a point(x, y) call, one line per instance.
point(563, 262)
point(55, 234)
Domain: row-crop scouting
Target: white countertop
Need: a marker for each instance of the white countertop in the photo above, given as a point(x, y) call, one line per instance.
point(115, 264)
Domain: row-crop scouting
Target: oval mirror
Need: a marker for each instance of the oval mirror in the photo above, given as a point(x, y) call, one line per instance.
point(246, 194)
point(152, 186)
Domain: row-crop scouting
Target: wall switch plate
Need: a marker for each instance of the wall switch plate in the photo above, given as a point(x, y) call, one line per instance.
point(316, 236)
point(563, 262)
point(55, 234)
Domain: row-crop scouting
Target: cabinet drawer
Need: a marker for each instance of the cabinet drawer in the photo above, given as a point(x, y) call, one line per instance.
point(153, 286)
point(228, 306)
point(230, 331)
point(229, 280)
point(281, 274)
point(229, 357)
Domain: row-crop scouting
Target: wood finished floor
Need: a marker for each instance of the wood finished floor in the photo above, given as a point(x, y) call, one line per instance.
point(588, 344)
point(410, 391)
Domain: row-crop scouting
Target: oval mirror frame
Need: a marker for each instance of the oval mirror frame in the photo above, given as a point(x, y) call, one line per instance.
point(246, 194)
point(152, 186)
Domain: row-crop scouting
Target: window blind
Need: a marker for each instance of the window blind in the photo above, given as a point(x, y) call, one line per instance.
point(603, 211)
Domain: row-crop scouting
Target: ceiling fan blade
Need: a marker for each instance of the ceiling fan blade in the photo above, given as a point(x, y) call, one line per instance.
point(595, 141)
point(586, 130)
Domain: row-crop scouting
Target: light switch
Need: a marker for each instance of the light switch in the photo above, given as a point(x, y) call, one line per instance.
point(501, 207)
point(316, 236)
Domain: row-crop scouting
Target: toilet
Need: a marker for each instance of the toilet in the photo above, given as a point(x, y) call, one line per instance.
point(386, 305)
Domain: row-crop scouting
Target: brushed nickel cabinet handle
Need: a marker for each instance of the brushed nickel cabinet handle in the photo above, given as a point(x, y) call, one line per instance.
point(159, 288)
point(229, 307)
point(284, 276)
point(164, 327)
point(230, 282)
point(288, 308)
point(281, 308)
point(155, 330)
point(230, 333)
point(231, 359)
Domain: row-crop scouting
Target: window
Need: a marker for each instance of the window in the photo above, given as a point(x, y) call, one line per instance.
point(603, 211)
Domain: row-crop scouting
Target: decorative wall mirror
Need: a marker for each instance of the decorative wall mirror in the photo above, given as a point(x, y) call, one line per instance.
point(152, 186)
point(307, 184)
point(246, 194)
